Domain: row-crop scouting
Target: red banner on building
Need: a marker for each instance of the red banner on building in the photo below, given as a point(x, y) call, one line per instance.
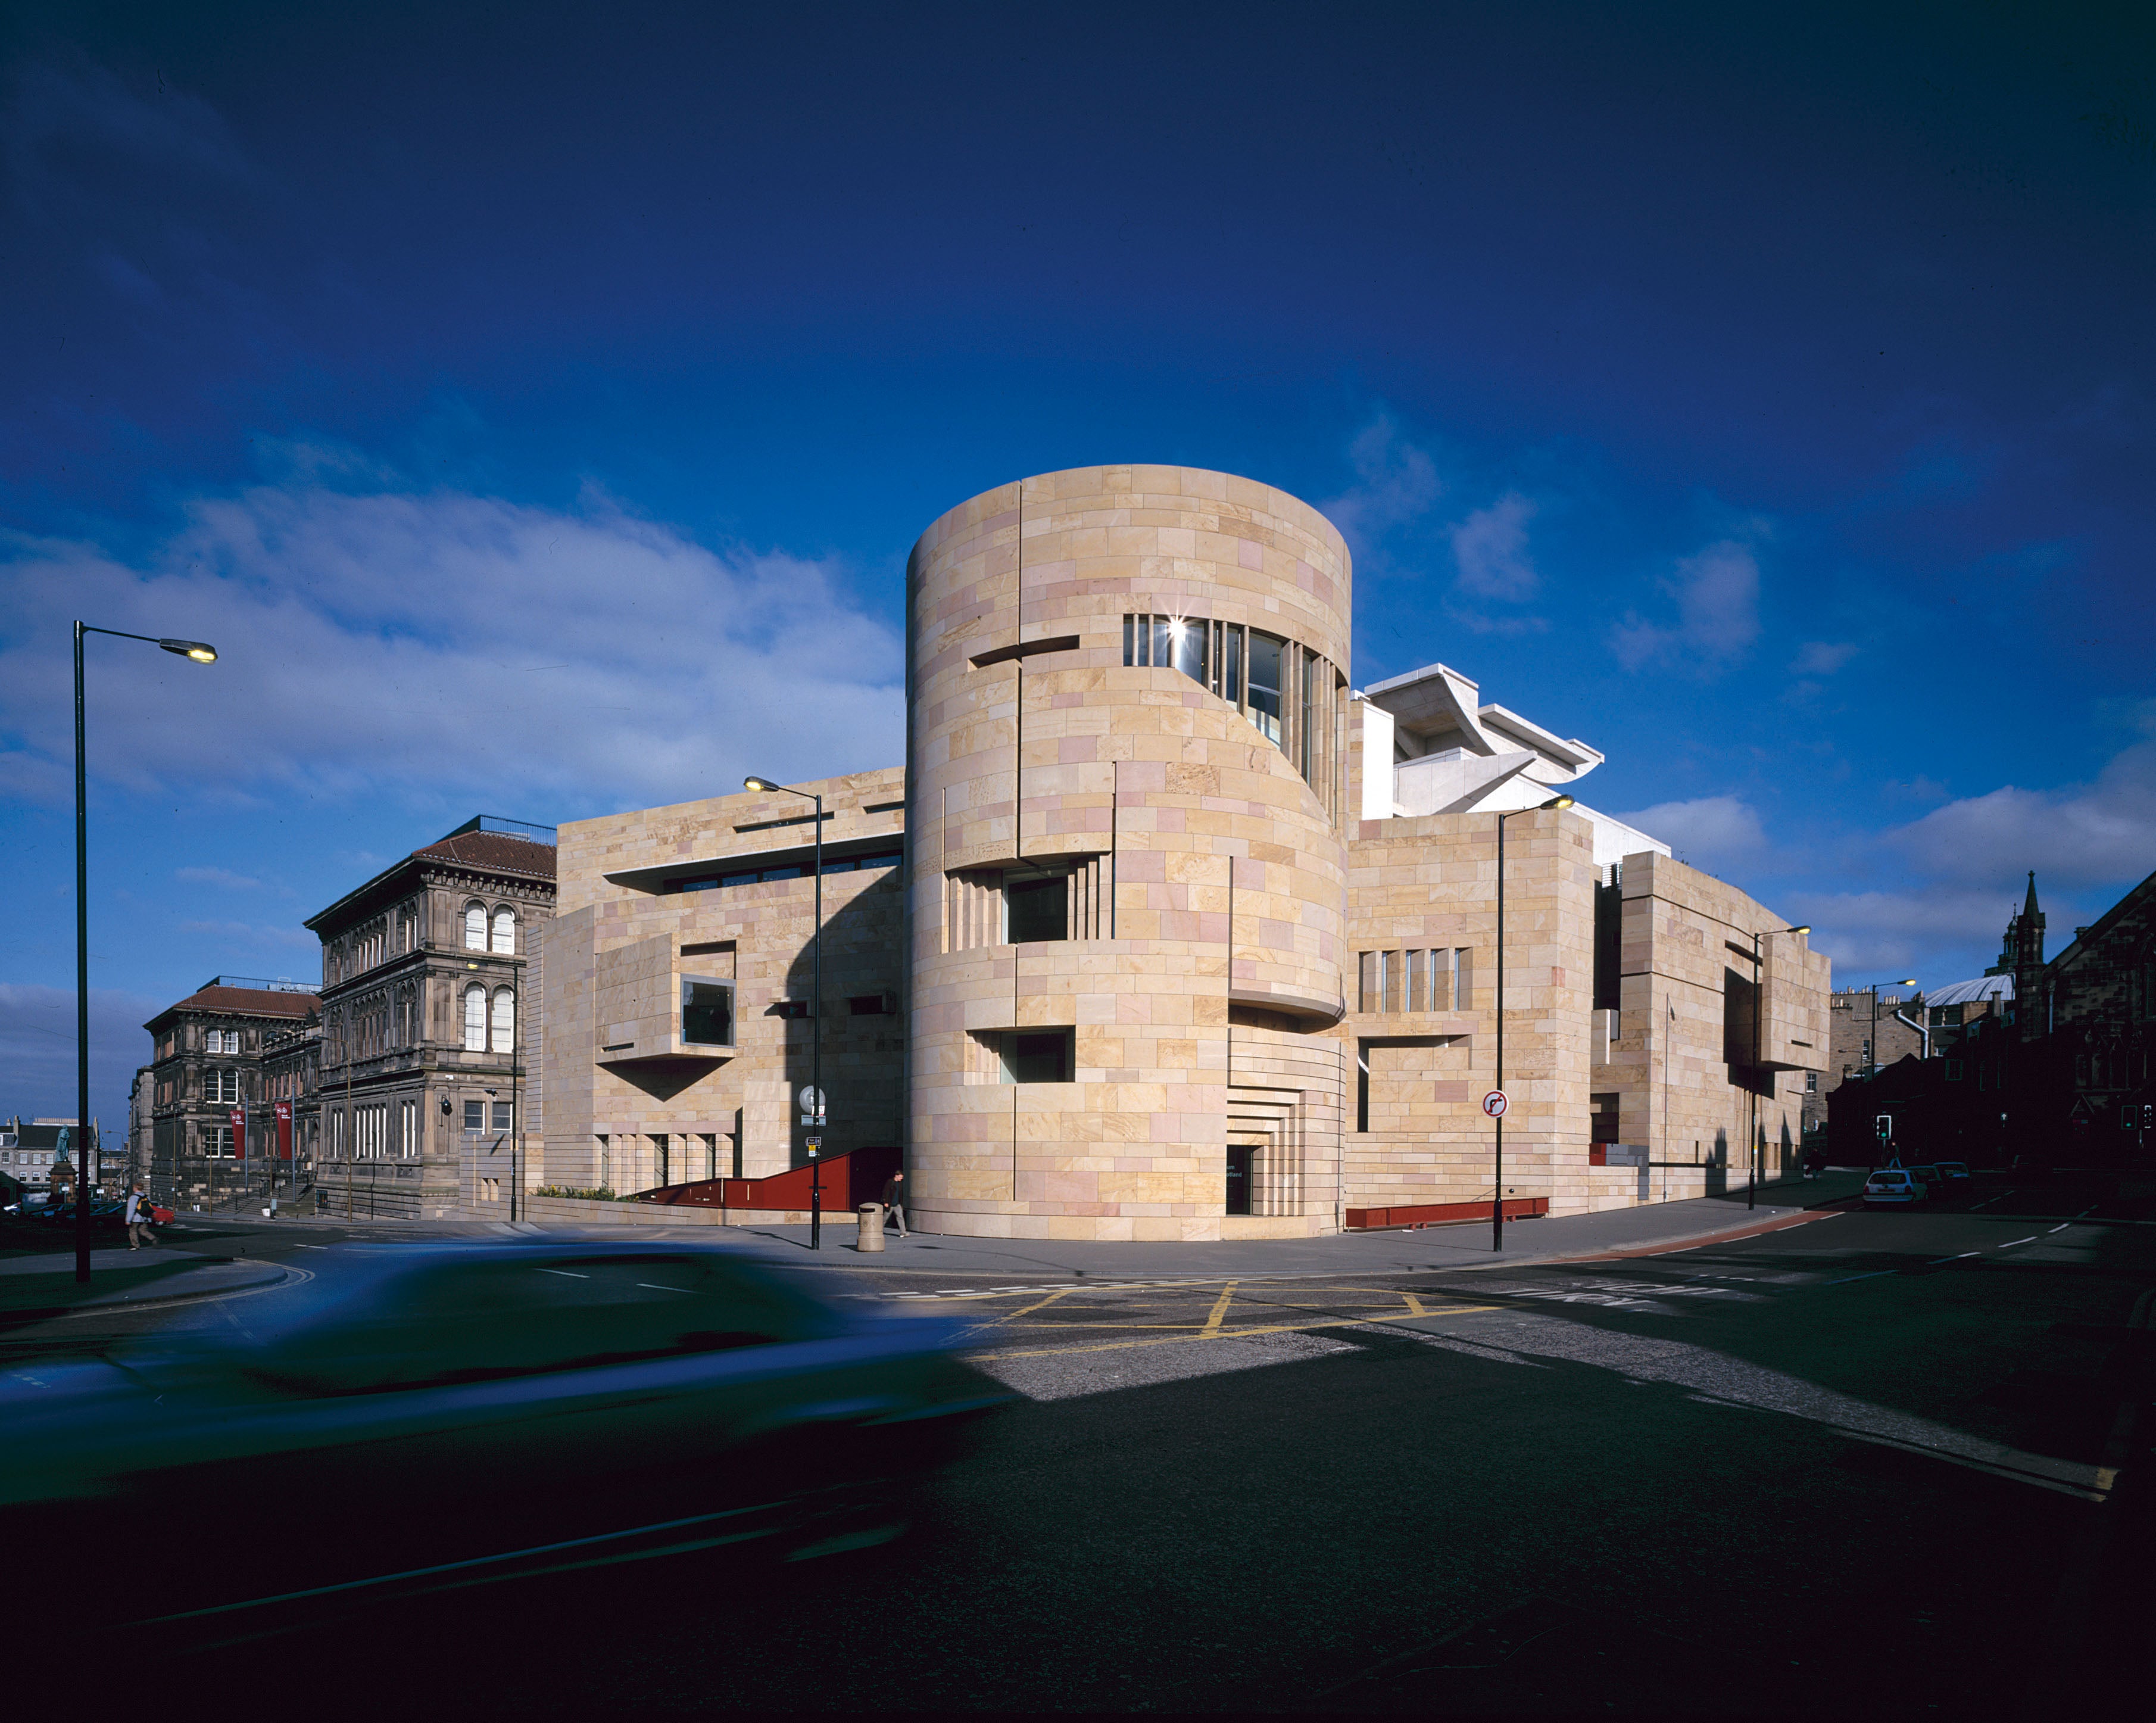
point(239, 1132)
point(283, 1109)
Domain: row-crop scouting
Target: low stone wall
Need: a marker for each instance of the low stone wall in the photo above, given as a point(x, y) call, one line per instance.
point(583, 1211)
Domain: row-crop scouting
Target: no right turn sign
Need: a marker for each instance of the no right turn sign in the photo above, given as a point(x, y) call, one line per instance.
point(1494, 1103)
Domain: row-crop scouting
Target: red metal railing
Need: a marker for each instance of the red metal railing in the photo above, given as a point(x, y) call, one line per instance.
point(848, 1180)
point(1438, 1214)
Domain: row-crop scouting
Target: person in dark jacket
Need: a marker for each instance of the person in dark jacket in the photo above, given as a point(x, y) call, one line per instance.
point(894, 1201)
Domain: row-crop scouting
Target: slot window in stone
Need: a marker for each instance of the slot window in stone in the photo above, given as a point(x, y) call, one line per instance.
point(1036, 1055)
point(1036, 906)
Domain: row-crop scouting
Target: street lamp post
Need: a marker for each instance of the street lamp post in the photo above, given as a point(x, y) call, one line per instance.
point(1497, 1123)
point(201, 654)
point(1872, 1063)
point(815, 1013)
point(1759, 1055)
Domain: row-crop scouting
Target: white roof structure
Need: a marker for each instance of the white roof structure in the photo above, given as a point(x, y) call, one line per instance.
point(1969, 992)
point(1452, 753)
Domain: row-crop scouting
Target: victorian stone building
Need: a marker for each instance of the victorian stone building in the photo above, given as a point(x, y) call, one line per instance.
point(426, 1088)
point(1166, 930)
point(205, 1064)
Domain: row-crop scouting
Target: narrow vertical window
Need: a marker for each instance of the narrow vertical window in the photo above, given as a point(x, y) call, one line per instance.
point(1462, 976)
point(1265, 685)
point(1231, 685)
point(504, 931)
point(475, 927)
point(475, 1019)
point(1369, 987)
point(1419, 980)
point(1129, 645)
point(504, 1022)
point(1164, 644)
point(1393, 967)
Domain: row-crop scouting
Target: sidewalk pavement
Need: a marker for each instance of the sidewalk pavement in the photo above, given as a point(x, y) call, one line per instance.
point(1784, 1202)
point(43, 1283)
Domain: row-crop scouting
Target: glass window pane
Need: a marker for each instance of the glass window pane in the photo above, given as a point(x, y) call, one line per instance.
point(1367, 999)
point(1130, 644)
point(1418, 981)
point(1266, 684)
point(504, 931)
point(474, 929)
point(1037, 1056)
point(1231, 687)
point(1393, 967)
point(501, 1114)
point(1189, 646)
point(739, 879)
point(504, 1022)
point(774, 873)
point(707, 1012)
point(475, 1115)
point(1036, 909)
point(890, 861)
point(1163, 645)
point(475, 1019)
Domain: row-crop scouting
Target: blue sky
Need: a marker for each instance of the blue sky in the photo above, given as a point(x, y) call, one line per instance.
point(536, 407)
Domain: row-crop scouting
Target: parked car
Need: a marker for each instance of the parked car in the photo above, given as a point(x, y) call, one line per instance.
point(462, 1413)
point(1893, 1186)
point(1953, 1172)
point(1931, 1177)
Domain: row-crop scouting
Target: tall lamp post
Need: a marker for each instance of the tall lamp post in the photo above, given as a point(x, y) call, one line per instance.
point(1497, 1122)
point(201, 654)
point(1758, 1052)
point(815, 1013)
point(1872, 1063)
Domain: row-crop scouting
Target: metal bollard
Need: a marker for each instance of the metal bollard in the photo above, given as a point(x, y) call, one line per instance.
point(871, 1236)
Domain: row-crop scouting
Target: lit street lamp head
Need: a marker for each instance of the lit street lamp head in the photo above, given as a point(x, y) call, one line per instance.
point(1553, 804)
point(200, 650)
point(753, 783)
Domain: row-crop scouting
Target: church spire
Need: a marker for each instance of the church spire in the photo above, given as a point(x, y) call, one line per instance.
point(2029, 906)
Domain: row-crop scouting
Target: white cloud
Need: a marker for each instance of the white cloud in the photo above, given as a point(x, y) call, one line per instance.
point(1397, 482)
point(1712, 831)
point(2098, 834)
point(1490, 548)
point(216, 877)
point(1717, 591)
point(1822, 657)
point(1928, 932)
point(453, 644)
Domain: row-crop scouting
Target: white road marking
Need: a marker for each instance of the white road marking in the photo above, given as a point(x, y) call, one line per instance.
point(649, 1287)
point(1936, 1261)
point(565, 1273)
point(2062, 1225)
point(2010, 1243)
point(1874, 1275)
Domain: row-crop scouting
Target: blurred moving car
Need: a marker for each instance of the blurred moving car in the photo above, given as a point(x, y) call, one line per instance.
point(1892, 1186)
point(1953, 1172)
point(421, 1417)
point(1930, 1177)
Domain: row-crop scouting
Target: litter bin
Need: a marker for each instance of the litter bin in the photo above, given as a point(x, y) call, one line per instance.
point(871, 1238)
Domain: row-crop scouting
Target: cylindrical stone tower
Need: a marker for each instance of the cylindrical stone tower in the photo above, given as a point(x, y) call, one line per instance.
point(1126, 692)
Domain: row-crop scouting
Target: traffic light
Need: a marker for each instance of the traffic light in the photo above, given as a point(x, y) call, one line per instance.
point(1882, 1127)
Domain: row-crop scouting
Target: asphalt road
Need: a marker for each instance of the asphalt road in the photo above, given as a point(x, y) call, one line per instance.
point(1873, 1463)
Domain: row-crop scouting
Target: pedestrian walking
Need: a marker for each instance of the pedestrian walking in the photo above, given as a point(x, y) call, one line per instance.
point(894, 1201)
point(139, 1214)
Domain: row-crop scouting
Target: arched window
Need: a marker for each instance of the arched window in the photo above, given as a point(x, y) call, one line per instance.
point(475, 927)
point(475, 1019)
point(505, 930)
point(504, 1022)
